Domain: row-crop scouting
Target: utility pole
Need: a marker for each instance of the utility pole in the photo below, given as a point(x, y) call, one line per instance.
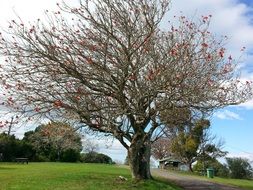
point(10, 126)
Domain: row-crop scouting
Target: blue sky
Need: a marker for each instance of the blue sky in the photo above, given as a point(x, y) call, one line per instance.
point(233, 18)
point(247, 2)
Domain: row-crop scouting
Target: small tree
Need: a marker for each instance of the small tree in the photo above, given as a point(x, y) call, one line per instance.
point(9, 146)
point(239, 168)
point(113, 69)
point(55, 136)
point(193, 142)
point(89, 146)
point(161, 148)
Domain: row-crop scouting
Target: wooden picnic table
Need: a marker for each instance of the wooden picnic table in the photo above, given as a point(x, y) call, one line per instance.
point(22, 160)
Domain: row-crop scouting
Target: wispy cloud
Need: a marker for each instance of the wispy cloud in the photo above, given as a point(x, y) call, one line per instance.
point(230, 18)
point(247, 105)
point(228, 115)
point(112, 148)
point(248, 156)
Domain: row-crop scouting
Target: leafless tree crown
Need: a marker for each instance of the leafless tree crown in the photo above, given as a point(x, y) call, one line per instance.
point(114, 69)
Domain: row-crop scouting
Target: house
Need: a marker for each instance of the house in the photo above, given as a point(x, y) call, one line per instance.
point(172, 163)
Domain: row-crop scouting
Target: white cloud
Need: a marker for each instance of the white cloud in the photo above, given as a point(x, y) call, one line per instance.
point(28, 10)
point(229, 18)
point(228, 115)
point(247, 76)
point(247, 105)
point(113, 148)
point(246, 155)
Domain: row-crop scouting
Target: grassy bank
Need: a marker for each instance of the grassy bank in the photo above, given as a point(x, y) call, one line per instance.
point(242, 183)
point(65, 176)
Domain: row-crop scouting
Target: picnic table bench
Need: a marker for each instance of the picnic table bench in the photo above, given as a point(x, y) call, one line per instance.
point(22, 160)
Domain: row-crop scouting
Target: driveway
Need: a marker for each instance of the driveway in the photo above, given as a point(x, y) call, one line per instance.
point(191, 182)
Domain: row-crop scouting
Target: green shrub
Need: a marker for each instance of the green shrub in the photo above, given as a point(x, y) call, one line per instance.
point(94, 157)
point(219, 169)
point(70, 155)
point(239, 168)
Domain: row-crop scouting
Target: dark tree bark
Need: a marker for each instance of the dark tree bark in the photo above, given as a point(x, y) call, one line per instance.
point(190, 167)
point(139, 154)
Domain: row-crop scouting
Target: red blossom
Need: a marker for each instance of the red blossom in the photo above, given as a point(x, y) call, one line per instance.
point(226, 68)
point(173, 52)
point(93, 47)
point(151, 75)
point(210, 82)
point(209, 57)
point(37, 109)
point(132, 77)
point(221, 52)
point(205, 18)
point(109, 98)
point(82, 43)
point(58, 103)
point(205, 45)
point(78, 98)
point(89, 60)
point(10, 100)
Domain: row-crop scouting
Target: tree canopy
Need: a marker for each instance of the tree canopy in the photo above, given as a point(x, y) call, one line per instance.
point(113, 69)
point(239, 168)
point(55, 138)
point(194, 142)
point(60, 135)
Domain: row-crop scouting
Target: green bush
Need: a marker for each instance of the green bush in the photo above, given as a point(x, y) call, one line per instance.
point(11, 148)
point(70, 155)
point(239, 168)
point(41, 158)
point(219, 169)
point(94, 157)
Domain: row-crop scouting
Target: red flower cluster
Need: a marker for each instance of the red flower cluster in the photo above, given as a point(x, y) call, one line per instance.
point(58, 103)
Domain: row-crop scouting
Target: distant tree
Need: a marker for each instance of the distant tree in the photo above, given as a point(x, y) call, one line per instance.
point(89, 146)
point(193, 142)
point(11, 147)
point(161, 148)
point(54, 138)
point(239, 168)
point(113, 69)
point(8, 147)
point(126, 161)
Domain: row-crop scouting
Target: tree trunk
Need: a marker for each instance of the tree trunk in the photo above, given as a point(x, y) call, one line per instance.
point(190, 167)
point(139, 158)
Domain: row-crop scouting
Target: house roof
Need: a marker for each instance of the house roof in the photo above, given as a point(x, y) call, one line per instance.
point(169, 159)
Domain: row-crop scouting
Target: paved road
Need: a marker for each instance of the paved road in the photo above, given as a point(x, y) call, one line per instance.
point(191, 182)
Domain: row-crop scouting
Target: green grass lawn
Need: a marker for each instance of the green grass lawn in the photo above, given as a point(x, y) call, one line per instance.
point(243, 183)
point(61, 176)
